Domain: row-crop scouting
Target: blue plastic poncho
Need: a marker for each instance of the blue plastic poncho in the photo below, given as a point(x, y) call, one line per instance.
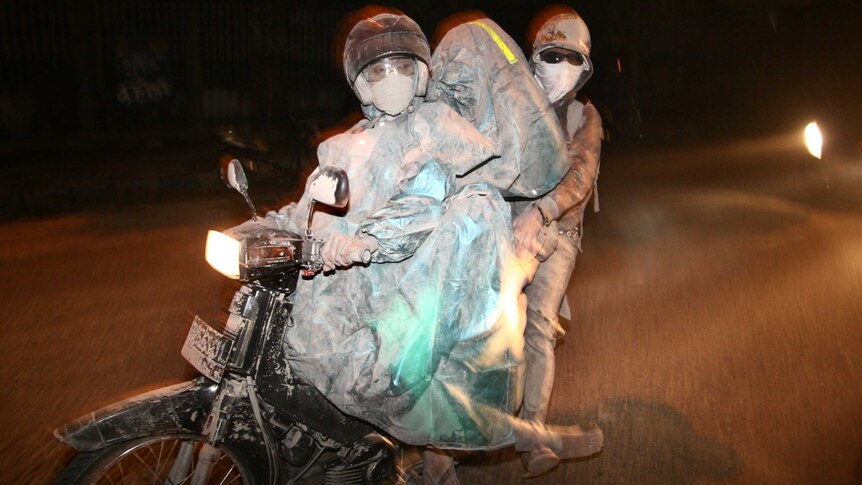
point(425, 341)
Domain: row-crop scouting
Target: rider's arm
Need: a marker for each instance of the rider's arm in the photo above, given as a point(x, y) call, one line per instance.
point(407, 218)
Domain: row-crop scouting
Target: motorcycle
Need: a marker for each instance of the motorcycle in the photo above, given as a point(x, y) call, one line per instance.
point(247, 419)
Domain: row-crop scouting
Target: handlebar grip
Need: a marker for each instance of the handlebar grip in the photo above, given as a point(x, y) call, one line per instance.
point(361, 256)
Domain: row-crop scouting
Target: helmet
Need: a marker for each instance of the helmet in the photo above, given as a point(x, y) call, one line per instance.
point(562, 27)
point(384, 35)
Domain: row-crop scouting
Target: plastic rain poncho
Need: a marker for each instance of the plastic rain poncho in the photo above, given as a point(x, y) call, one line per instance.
point(426, 340)
point(480, 72)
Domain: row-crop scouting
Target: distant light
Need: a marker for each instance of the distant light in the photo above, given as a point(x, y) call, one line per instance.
point(813, 140)
point(619, 65)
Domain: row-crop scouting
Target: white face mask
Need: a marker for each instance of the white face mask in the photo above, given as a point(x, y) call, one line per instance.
point(393, 94)
point(557, 79)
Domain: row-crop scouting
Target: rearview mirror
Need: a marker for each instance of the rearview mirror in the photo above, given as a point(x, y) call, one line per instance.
point(234, 175)
point(328, 185)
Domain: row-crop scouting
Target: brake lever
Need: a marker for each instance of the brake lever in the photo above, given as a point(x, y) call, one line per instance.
point(312, 263)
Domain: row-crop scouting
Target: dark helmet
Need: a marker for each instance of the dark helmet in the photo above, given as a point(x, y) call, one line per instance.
point(384, 34)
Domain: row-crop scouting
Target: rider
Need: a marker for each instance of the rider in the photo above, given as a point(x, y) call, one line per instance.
point(561, 64)
point(407, 357)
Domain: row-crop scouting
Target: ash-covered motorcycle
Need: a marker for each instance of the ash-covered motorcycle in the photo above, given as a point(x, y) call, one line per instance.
point(247, 419)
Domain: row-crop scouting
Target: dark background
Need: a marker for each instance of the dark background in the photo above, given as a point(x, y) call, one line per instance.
point(716, 334)
point(79, 75)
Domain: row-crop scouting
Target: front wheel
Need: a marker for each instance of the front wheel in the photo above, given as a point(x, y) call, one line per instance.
point(166, 459)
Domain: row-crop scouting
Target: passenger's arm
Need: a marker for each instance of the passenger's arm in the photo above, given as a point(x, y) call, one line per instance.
point(584, 151)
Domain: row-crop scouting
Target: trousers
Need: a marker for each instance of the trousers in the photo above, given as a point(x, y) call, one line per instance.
point(544, 297)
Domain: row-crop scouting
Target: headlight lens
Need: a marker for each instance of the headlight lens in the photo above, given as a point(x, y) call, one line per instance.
point(223, 253)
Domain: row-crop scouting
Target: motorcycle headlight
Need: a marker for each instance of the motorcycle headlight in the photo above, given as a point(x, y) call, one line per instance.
point(223, 254)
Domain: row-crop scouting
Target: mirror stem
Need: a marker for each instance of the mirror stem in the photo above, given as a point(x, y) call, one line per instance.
point(250, 205)
point(310, 214)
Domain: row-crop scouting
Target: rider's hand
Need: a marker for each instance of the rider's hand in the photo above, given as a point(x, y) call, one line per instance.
point(527, 227)
point(341, 250)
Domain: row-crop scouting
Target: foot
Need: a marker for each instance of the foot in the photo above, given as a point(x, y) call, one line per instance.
point(574, 442)
point(539, 461)
point(438, 468)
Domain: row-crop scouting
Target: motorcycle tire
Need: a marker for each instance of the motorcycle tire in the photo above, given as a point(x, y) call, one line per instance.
point(153, 459)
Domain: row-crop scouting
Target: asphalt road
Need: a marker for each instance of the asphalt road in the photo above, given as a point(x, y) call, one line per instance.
point(717, 335)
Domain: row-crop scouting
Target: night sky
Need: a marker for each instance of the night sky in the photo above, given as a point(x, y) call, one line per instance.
point(712, 65)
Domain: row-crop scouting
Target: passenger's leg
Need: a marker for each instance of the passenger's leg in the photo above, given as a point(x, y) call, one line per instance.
point(565, 441)
point(545, 295)
point(438, 468)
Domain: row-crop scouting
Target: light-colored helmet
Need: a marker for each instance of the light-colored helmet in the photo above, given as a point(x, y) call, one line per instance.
point(384, 35)
point(563, 28)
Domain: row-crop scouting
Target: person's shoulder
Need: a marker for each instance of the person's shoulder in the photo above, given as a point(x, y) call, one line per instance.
point(330, 149)
point(346, 131)
point(590, 110)
point(437, 114)
point(581, 112)
point(586, 102)
point(433, 109)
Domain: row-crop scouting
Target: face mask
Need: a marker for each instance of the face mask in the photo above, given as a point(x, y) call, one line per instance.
point(393, 94)
point(557, 79)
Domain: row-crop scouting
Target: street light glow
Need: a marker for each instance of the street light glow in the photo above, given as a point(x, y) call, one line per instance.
point(813, 140)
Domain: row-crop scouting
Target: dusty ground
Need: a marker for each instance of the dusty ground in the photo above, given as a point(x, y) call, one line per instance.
point(718, 334)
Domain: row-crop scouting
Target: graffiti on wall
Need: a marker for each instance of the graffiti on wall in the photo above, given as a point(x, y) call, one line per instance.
point(146, 77)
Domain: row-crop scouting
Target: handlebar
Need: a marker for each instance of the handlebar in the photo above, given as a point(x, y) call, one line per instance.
point(313, 263)
point(360, 256)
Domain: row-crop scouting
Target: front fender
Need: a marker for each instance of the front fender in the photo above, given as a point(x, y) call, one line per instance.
point(182, 408)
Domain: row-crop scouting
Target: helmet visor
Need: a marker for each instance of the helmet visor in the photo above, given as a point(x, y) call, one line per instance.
point(360, 51)
point(381, 68)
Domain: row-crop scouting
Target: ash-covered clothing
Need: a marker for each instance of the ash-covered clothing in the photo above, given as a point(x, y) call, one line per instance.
point(545, 294)
point(480, 72)
point(583, 127)
point(419, 342)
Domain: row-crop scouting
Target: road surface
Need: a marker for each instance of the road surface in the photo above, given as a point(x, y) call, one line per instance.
point(717, 335)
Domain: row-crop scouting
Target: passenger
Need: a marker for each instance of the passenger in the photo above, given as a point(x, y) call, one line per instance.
point(480, 72)
point(561, 63)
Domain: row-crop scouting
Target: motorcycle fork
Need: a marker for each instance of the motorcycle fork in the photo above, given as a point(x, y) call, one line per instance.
point(230, 392)
point(207, 458)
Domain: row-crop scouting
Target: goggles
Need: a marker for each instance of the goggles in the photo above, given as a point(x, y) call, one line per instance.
point(381, 68)
point(556, 56)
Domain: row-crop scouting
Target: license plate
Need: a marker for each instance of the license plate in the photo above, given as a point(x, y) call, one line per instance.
point(207, 349)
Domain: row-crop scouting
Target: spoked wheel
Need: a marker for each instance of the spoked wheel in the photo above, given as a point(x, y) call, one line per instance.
point(166, 459)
